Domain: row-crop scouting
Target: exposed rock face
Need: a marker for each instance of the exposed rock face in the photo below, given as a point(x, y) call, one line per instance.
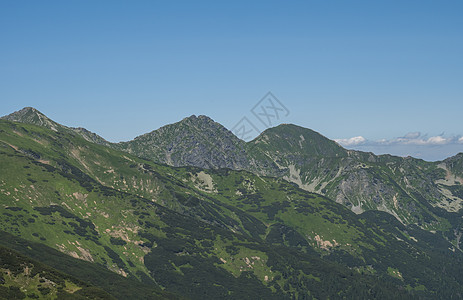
point(194, 141)
point(90, 136)
point(455, 165)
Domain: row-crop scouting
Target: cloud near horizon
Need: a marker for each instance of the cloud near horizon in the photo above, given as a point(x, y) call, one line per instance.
point(412, 138)
point(357, 140)
point(433, 148)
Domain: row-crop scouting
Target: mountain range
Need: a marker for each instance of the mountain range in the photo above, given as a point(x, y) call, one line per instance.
point(403, 187)
point(189, 210)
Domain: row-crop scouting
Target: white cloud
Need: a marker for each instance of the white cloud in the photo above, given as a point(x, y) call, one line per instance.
point(423, 141)
point(415, 138)
point(414, 144)
point(410, 139)
point(354, 141)
point(438, 140)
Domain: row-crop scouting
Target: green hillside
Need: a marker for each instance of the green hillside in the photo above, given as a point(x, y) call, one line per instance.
point(22, 277)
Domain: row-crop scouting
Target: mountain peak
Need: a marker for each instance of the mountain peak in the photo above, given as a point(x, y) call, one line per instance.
point(199, 124)
point(26, 111)
point(198, 119)
point(31, 115)
point(291, 139)
point(29, 109)
point(195, 140)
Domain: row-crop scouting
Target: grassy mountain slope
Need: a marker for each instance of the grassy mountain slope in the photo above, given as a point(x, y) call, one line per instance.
point(193, 231)
point(86, 274)
point(23, 277)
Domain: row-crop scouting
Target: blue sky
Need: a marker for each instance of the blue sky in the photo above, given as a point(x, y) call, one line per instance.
point(375, 69)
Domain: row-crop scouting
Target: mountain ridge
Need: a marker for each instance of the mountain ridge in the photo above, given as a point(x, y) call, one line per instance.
point(31, 115)
point(359, 180)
